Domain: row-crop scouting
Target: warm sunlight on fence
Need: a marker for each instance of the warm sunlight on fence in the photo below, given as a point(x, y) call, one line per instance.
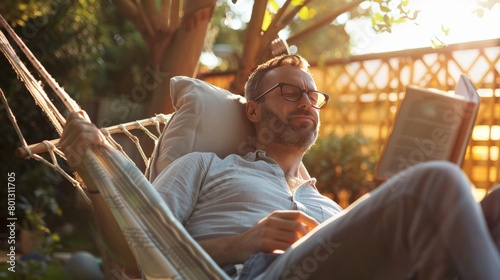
point(366, 91)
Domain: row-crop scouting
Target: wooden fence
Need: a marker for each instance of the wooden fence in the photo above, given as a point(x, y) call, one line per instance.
point(367, 89)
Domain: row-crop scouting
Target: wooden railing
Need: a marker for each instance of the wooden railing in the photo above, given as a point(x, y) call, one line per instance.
point(367, 89)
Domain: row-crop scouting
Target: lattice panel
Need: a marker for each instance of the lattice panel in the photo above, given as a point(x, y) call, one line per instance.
point(367, 90)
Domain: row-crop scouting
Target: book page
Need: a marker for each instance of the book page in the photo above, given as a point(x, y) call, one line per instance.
point(466, 89)
point(426, 127)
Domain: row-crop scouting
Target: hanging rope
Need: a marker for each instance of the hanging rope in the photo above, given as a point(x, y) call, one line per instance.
point(70, 104)
point(161, 245)
point(34, 86)
point(50, 147)
point(13, 120)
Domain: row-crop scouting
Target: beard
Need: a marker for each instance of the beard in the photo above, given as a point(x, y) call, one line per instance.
point(285, 133)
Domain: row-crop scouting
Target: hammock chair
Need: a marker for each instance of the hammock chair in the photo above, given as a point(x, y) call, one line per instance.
point(160, 244)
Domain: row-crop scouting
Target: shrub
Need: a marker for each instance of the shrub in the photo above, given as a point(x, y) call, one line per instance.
point(342, 165)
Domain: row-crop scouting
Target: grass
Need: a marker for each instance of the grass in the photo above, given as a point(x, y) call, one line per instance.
point(55, 270)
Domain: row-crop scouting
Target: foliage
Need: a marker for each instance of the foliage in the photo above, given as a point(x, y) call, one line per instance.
point(21, 12)
point(334, 41)
point(35, 211)
point(35, 263)
point(53, 270)
point(484, 5)
point(65, 37)
point(389, 12)
point(62, 34)
point(342, 163)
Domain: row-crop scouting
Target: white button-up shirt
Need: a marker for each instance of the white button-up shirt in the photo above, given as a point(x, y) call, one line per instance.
point(215, 197)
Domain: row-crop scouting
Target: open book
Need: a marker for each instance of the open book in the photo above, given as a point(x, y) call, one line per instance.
point(430, 125)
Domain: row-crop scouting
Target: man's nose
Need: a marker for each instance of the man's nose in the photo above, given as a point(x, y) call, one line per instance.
point(305, 101)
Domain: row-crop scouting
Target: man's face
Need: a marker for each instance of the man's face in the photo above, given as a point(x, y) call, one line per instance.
point(293, 124)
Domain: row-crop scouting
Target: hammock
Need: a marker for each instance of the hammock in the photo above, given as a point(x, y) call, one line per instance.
point(160, 244)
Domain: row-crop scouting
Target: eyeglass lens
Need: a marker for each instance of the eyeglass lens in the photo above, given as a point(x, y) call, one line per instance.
point(294, 93)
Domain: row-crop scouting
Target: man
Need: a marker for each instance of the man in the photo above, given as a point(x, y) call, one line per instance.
point(423, 223)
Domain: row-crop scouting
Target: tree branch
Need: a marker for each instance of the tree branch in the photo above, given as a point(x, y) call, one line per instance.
point(131, 11)
point(254, 27)
point(280, 22)
point(251, 47)
point(143, 7)
point(323, 21)
point(175, 12)
point(127, 8)
point(290, 15)
point(280, 13)
point(165, 14)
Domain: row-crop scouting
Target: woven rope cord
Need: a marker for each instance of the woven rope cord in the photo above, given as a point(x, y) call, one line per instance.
point(13, 120)
point(135, 140)
point(32, 84)
point(113, 143)
point(70, 104)
point(147, 131)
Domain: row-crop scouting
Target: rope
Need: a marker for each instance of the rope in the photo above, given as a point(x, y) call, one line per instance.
point(134, 139)
point(70, 104)
point(39, 148)
point(115, 144)
point(161, 245)
point(50, 148)
point(32, 84)
point(55, 166)
point(148, 133)
point(13, 120)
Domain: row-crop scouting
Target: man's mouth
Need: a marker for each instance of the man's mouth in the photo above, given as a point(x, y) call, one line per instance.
point(306, 115)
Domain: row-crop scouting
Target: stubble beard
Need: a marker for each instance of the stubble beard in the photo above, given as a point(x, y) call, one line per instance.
point(287, 134)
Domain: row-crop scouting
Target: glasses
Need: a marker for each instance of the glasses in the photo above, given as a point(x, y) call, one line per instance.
point(294, 93)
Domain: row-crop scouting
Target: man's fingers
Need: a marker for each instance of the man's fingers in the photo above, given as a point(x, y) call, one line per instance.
point(78, 135)
point(293, 227)
point(78, 115)
point(298, 216)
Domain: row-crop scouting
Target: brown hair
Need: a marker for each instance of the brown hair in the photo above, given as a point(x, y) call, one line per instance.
point(252, 86)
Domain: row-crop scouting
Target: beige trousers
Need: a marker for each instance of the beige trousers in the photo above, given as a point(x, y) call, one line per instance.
point(421, 224)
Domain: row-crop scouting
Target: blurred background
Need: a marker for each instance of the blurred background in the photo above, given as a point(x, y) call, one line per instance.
point(115, 59)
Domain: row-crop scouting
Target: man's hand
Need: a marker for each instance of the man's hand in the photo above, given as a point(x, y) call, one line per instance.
point(277, 231)
point(78, 135)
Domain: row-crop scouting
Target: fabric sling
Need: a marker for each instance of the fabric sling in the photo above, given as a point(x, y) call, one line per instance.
point(161, 245)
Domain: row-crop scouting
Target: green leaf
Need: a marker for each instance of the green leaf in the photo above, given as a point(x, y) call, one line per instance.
point(446, 30)
point(385, 8)
point(297, 3)
point(387, 20)
point(415, 14)
point(266, 21)
point(304, 13)
point(437, 43)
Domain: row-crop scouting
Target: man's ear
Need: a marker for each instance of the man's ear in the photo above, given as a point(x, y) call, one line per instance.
point(253, 111)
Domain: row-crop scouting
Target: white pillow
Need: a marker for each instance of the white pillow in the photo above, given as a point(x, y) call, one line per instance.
point(207, 119)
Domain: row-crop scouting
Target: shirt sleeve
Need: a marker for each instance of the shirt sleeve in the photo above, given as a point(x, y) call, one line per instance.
point(180, 183)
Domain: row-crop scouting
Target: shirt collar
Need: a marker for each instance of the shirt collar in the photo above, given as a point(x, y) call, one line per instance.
point(261, 155)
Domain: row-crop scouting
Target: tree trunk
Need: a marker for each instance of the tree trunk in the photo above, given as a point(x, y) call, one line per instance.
point(252, 46)
point(180, 58)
